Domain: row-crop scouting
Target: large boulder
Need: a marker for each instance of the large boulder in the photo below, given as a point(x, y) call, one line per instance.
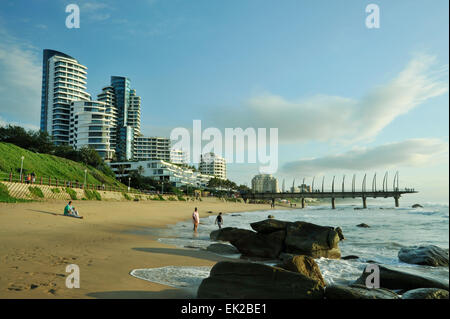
point(424, 255)
point(426, 293)
point(417, 206)
point(269, 226)
point(358, 292)
point(312, 240)
point(304, 265)
point(363, 225)
point(244, 280)
point(261, 245)
point(230, 234)
point(400, 280)
point(222, 249)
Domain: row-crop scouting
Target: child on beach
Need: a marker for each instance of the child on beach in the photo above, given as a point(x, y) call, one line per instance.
point(219, 220)
point(195, 219)
point(70, 211)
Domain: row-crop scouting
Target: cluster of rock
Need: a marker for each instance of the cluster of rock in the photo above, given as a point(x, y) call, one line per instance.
point(297, 275)
point(271, 237)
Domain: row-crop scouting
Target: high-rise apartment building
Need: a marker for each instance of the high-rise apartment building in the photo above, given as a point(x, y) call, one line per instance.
point(125, 106)
point(212, 164)
point(90, 125)
point(152, 148)
point(63, 81)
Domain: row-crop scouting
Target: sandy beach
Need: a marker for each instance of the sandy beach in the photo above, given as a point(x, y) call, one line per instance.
point(37, 243)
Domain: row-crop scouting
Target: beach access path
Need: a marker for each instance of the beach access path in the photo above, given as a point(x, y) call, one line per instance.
point(37, 243)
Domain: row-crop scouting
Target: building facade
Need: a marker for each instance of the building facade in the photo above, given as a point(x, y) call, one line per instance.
point(63, 81)
point(212, 164)
point(90, 126)
point(264, 183)
point(178, 156)
point(162, 171)
point(152, 148)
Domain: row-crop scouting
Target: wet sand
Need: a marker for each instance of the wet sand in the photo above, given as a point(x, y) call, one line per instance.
point(37, 243)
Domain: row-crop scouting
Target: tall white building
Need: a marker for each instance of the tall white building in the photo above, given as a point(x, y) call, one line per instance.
point(212, 164)
point(108, 97)
point(63, 81)
point(90, 125)
point(264, 183)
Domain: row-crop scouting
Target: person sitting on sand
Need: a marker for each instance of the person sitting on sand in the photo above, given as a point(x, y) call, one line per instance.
point(219, 220)
point(70, 211)
point(195, 219)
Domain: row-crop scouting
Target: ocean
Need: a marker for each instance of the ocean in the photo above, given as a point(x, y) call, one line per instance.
point(390, 230)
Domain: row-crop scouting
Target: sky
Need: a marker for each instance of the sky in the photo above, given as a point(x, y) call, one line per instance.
point(346, 99)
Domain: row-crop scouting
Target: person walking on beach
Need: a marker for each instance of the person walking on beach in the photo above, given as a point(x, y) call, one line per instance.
point(272, 204)
point(195, 219)
point(219, 220)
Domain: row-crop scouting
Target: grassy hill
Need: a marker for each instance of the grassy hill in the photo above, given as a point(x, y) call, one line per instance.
point(49, 166)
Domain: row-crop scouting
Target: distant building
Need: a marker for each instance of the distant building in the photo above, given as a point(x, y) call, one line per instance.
point(152, 148)
point(212, 164)
point(264, 183)
point(162, 171)
point(90, 126)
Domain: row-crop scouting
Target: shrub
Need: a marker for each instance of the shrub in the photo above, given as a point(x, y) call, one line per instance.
point(160, 197)
point(171, 198)
point(55, 190)
point(181, 198)
point(91, 195)
point(71, 192)
point(36, 191)
point(126, 196)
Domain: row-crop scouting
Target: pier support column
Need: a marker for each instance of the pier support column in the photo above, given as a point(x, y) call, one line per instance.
point(303, 203)
point(396, 201)
point(333, 203)
point(364, 202)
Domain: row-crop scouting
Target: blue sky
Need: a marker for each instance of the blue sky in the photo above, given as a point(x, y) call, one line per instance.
point(310, 68)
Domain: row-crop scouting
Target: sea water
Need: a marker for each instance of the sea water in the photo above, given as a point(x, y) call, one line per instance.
point(390, 230)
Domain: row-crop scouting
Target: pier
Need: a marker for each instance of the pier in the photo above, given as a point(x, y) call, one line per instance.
point(362, 193)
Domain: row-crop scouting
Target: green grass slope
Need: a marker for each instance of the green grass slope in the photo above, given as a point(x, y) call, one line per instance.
point(49, 166)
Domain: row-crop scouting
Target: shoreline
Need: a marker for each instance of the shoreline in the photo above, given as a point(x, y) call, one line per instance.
point(37, 245)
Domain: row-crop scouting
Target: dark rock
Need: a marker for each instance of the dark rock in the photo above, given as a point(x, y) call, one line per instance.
point(340, 233)
point(395, 279)
point(363, 225)
point(261, 245)
point(235, 215)
point(269, 226)
point(312, 240)
point(417, 206)
point(358, 292)
point(424, 255)
point(304, 265)
point(230, 234)
point(270, 216)
point(244, 280)
point(222, 249)
point(426, 293)
point(350, 257)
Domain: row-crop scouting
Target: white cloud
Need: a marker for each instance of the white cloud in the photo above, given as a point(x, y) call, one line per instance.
point(408, 153)
point(344, 119)
point(20, 80)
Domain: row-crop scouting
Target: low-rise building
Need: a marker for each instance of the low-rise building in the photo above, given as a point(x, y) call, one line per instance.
point(162, 171)
point(152, 148)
